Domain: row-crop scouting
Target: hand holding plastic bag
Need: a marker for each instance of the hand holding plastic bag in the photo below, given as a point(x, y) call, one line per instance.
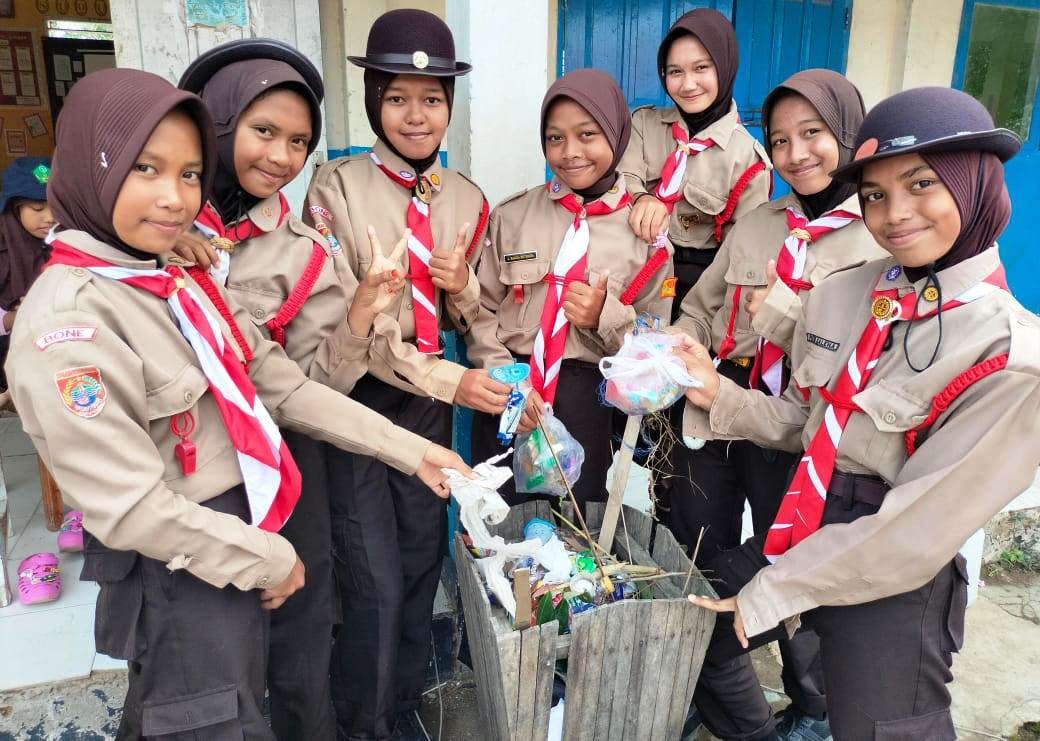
point(645, 376)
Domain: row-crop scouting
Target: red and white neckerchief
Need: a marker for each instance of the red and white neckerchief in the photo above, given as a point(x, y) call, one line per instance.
point(669, 189)
point(420, 247)
point(801, 509)
point(226, 237)
point(768, 367)
point(570, 265)
point(272, 480)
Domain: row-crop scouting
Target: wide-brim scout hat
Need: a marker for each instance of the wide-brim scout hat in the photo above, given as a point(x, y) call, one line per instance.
point(927, 119)
point(212, 61)
point(410, 41)
point(25, 177)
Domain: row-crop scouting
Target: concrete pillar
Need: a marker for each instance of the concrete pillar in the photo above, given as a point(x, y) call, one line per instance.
point(155, 35)
point(899, 44)
point(494, 137)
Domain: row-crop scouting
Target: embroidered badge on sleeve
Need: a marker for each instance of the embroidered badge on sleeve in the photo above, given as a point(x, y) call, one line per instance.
point(82, 390)
point(65, 334)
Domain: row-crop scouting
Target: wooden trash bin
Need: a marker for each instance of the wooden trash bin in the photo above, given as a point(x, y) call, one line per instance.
point(631, 665)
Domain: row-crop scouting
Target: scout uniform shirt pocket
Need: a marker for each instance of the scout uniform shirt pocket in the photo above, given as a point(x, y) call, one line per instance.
point(261, 305)
point(523, 275)
point(889, 410)
point(693, 219)
point(748, 274)
point(178, 401)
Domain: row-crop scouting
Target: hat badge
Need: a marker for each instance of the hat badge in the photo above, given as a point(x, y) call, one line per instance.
point(420, 60)
point(42, 173)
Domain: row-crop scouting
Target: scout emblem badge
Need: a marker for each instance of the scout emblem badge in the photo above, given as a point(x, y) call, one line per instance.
point(82, 390)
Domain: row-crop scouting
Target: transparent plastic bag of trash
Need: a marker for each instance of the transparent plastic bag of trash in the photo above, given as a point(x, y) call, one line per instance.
point(534, 466)
point(645, 376)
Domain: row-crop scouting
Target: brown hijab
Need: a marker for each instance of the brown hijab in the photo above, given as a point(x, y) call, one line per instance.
point(227, 95)
point(599, 94)
point(840, 105)
point(716, 34)
point(105, 122)
point(21, 256)
point(976, 182)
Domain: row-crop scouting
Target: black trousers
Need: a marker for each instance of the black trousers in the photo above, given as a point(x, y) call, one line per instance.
point(196, 653)
point(708, 489)
point(577, 405)
point(389, 534)
point(886, 663)
point(301, 629)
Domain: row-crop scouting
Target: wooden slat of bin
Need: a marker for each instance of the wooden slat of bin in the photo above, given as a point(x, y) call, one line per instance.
point(625, 622)
point(575, 677)
point(685, 680)
point(528, 684)
point(655, 638)
point(483, 649)
point(509, 671)
point(607, 682)
point(669, 674)
point(594, 633)
point(543, 691)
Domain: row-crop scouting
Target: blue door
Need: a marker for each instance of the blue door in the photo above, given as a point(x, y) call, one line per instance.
point(777, 38)
point(998, 62)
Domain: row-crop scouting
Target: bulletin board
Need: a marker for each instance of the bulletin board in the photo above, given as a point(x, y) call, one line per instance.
point(20, 80)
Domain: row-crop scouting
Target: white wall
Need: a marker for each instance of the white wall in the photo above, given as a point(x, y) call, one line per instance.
point(494, 136)
point(899, 44)
point(154, 35)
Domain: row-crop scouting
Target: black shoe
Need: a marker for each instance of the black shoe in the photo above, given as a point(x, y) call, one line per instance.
point(693, 722)
point(794, 726)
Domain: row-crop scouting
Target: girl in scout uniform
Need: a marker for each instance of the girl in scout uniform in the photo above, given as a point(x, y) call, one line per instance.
point(919, 421)
point(150, 405)
point(25, 220)
point(389, 537)
point(563, 278)
point(811, 120)
point(265, 97)
point(693, 169)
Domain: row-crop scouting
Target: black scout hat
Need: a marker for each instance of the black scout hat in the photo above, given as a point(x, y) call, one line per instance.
point(410, 41)
point(208, 64)
point(927, 119)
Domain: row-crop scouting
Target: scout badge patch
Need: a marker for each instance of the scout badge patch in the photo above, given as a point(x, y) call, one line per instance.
point(82, 390)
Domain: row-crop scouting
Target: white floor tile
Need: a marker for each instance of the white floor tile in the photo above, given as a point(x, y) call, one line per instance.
point(22, 477)
point(10, 424)
point(16, 442)
point(36, 538)
point(46, 647)
point(18, 527)
point(74, 593)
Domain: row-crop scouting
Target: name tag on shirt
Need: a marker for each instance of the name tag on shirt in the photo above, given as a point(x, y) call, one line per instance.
point(520, 256)
point(822, 342)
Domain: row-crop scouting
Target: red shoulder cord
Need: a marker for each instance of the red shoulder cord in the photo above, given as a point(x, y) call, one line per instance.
point(298, 296)
point(201, 277)
point(478, 232)
point(656, 261)
point(741, 185)
point(941, 402)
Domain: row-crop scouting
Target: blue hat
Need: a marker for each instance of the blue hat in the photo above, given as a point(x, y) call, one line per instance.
point(927, 119)
point(25, 178)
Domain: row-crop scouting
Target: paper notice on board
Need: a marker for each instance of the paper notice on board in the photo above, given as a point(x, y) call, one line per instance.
point(6, 61)
point(8, 84)
point(59, 88)
point(35, 125)
point(62, 67)
point(77, 67)
point(27, 81)
point(24, 56)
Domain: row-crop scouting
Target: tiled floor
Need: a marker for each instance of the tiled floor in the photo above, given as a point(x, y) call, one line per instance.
point(52, 641)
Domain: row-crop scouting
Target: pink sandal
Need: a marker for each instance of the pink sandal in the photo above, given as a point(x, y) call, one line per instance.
point(39, 579)
point(70, 538)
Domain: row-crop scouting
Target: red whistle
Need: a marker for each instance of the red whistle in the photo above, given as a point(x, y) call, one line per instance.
point(185, 452)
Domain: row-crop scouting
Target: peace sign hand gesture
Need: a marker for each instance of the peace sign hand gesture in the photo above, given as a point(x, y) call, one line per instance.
point(380, 286)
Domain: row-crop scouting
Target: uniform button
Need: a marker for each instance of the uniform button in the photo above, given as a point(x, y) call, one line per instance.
point(890, 418)
point(408, 306)
point(262, 582)
point(523, 276)
point(1024, 322)
point(79, 271)
point(751, 274)
point(258, 313)
point(189, 398)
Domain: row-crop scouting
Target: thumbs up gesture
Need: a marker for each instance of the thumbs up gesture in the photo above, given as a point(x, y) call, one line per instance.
point(758, 296)
point(448, 268)
point(583, 303)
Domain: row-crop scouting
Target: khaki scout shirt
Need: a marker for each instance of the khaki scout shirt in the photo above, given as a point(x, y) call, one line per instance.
point(979, 455)
point(265, 269)
point(525, 235)
point(741, 262)
point(710, 175)
point(118, 464)
point(350, 193)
